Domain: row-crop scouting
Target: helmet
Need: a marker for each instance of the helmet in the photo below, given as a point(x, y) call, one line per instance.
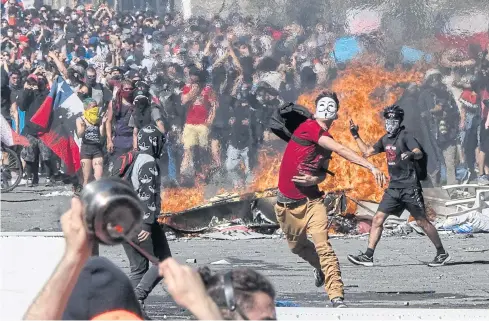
point(394, 112)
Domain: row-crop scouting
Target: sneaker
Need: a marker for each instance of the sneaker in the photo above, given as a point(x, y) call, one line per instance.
point(48, 183)
point(338, 303)
point(483, 180)
point(440, 259)
point(29, 183)
point(361, 259)
point(319, 278)
point(143, 310)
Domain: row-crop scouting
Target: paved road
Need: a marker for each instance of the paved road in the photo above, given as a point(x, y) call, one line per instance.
point(400, 279)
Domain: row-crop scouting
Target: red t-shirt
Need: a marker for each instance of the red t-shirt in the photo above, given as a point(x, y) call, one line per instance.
point(198, 112)
point(299, 160)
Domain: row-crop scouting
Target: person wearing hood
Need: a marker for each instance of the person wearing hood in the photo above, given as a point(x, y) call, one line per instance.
point(404, 192)
point(143, 173)
point(441, 114)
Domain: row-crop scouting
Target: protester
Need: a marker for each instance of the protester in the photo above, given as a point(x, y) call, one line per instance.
point(91, 129)
point(300, 208)
point(30, 100)
point(404, 191)
point(142, 171)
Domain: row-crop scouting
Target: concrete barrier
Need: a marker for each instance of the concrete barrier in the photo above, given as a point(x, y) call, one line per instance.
point(380, 314)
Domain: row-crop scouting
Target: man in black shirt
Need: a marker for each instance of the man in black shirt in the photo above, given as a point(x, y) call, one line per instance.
point(404, 191)
point(239, 139)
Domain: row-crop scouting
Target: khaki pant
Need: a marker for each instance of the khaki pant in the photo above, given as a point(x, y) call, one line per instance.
point(311, 218)
point(195, 135)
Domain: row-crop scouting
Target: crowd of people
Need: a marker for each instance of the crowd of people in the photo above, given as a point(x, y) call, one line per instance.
point(189, 99)
point(211, 86)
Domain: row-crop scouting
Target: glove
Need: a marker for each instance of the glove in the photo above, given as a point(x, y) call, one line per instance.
point(407, 156)
point(354, 129)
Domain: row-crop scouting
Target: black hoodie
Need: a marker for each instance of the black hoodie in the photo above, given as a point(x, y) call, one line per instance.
point(142, 171)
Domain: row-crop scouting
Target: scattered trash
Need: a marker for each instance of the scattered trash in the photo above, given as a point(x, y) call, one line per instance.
point(59, 193)
point(284, 304)
point(191, 261)
point(34, 229)
point(474, 249)
point(235, 235)
point(416, 228)
point(220, 262)
point(471, 222)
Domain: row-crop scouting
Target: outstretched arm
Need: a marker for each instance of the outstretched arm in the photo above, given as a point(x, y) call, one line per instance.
point(348, 154)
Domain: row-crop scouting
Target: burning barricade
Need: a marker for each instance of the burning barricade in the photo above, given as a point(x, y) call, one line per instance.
point(363, 91)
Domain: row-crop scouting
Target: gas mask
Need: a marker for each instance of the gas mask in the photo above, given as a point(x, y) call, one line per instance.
point(392, 126)
point(327, 109)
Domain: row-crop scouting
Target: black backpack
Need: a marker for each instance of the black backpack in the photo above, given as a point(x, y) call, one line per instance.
point(286, 119)
point(123, 165)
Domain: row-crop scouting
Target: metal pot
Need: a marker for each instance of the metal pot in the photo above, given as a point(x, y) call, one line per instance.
point(112, 210)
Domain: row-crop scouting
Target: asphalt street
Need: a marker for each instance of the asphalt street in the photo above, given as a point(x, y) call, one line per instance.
point(400, 278)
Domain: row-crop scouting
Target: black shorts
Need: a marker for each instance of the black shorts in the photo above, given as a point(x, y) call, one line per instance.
point(396, 200)
point(91, 151)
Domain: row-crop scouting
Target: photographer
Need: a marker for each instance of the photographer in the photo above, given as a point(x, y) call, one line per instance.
point(241, 294)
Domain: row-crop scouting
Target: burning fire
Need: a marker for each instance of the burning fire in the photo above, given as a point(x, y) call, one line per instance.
point(176, 200)
point(363, 92)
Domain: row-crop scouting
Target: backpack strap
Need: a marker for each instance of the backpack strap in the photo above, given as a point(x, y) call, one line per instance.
point(301, 141)
point(128, 173)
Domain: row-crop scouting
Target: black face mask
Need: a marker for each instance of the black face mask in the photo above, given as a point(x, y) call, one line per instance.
point(91, 81)
point(83, 96)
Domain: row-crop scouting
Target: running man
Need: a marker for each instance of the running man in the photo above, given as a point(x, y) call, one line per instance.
point(404, 191)
point(300, 208)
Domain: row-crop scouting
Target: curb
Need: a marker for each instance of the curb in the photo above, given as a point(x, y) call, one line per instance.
point(31, 234)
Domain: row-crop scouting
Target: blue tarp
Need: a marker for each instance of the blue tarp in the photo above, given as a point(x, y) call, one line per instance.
point(412, 55)
point(346, 48)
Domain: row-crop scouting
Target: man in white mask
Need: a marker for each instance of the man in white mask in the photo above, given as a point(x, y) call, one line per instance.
point(300, 208)
point(402, 151)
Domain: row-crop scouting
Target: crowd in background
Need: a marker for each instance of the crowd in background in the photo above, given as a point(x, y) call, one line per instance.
point(211, 85)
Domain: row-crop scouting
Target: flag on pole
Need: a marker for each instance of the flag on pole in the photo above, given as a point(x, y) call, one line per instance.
point(57, 115)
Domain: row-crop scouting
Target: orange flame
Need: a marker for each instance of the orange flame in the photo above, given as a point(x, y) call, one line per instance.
point(363, 92)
